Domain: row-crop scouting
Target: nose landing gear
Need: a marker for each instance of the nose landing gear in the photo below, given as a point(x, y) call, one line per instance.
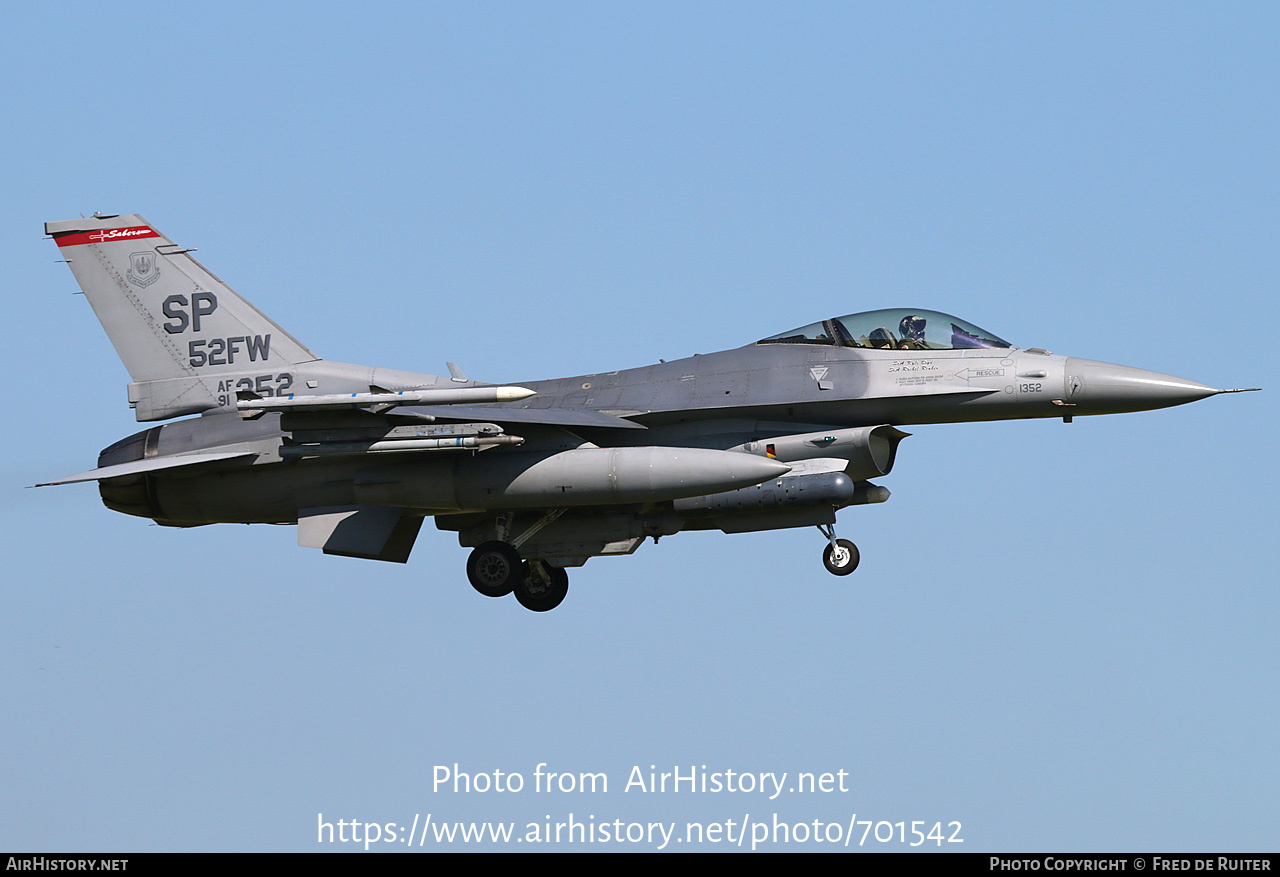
point(840, 556)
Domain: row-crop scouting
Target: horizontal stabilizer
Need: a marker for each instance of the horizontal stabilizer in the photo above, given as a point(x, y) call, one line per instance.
point(152, 465)
point(370, 532)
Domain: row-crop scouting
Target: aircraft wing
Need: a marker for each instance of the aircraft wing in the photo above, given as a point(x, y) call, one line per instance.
point(566, 417)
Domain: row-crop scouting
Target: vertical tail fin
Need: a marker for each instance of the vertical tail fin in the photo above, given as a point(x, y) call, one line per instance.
point(182, 333)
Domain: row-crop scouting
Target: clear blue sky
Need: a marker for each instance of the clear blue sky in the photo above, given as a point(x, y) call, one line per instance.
point(1062, 636)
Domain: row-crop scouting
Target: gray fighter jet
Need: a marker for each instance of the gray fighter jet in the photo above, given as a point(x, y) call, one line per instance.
point(536, 476)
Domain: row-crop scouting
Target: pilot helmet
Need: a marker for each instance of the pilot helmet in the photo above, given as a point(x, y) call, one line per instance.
point(912, 328)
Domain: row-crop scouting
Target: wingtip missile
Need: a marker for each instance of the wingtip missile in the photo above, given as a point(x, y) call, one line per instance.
point(341, 401)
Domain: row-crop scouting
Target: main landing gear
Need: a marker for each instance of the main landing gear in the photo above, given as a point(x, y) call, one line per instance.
point(496, 569)
point(840, 556)
point(543, 588)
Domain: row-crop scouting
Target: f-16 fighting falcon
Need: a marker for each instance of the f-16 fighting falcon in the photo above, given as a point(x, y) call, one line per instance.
point(535, 476)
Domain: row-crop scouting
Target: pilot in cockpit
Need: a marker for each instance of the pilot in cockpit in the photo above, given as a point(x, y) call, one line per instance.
point(912, 331)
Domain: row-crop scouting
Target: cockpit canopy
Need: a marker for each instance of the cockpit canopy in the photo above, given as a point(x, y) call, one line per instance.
point(892, 329)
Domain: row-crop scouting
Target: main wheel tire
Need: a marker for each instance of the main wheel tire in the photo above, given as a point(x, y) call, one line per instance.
point(841, 558)
point(494, 568)
point(536, 596)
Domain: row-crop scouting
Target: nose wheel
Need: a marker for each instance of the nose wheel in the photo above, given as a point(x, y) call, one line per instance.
point(841, 556)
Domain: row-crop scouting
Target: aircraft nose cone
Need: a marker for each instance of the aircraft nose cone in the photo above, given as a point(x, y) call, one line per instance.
point(1104, 388)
